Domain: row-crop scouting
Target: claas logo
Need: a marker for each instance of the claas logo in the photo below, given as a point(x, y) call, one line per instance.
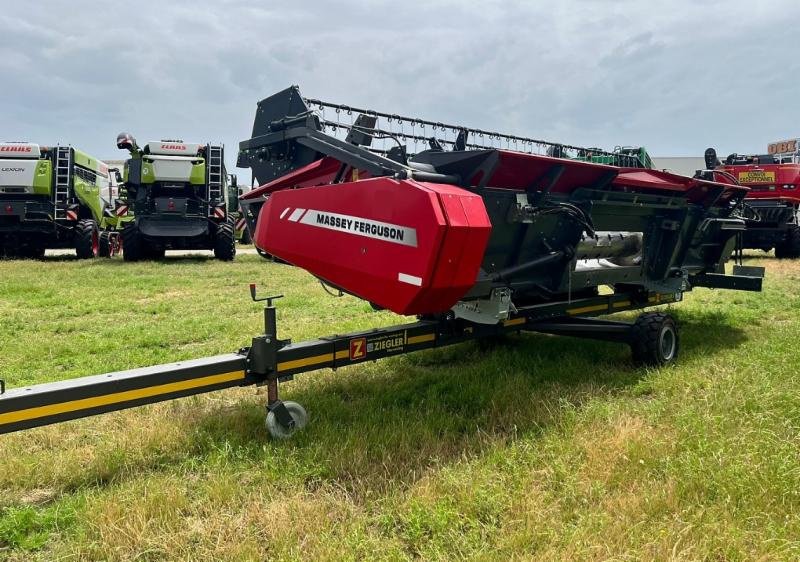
point(173, 147)
point(358, 348)
point(15, 149)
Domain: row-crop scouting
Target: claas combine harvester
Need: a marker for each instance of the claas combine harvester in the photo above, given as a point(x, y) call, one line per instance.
point(773, 203)
point(476, 234)
point(181, 199)
point(56, 197)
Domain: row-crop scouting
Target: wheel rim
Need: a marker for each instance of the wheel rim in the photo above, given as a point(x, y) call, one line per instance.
point(298, 414)
point(668, 343)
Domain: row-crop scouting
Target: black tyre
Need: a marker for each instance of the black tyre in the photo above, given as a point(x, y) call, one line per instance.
point(132, 243)
point(789, 249)
point(30, 252)
point(105, 249)
point(155, 253)
point(654, 339)
point(225, 242)
point(246, 238)
point(87, 239)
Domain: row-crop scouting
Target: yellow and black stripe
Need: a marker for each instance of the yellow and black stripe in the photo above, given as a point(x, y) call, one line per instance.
point(55, 402)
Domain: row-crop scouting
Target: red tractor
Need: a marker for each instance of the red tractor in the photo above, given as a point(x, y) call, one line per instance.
point(774, 197)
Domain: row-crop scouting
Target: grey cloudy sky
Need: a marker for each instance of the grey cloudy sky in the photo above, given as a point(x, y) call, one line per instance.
point(675, 76)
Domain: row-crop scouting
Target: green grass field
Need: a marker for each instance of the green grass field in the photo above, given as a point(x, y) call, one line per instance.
point(545, 448)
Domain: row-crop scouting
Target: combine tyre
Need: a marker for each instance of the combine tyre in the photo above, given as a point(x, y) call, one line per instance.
point(133, 248)
point(87, 239)
point(789, 248)
point(225, 242)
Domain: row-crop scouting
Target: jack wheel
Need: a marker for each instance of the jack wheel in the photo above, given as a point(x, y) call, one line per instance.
point(654, 339)
point(279, 431)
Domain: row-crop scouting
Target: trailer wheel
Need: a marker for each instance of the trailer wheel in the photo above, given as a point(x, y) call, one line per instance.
point(132, 249)
point(87, 239)
point(279, 431)
point(654, 339)
point(789, 248)
point(225, 242)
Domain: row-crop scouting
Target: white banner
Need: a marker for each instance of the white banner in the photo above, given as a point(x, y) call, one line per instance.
point(358, 226)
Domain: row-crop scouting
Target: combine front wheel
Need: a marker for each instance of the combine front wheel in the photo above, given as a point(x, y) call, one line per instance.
point(109, 244)
point(132, 243)
point(87, 239)
point(225, 242)
point(281, 429)
point(789, 248)
point(654, 339)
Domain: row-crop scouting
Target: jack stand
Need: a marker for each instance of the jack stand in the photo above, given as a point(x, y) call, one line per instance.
point(283, 418)
point(276, 406)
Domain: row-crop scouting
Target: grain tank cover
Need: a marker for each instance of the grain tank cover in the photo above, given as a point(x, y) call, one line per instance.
point(19, 150)
point(173, 148)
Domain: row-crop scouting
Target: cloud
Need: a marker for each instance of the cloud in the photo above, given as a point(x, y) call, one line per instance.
point(673, 76)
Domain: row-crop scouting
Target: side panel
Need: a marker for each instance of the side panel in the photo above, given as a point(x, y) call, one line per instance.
point(381, 239)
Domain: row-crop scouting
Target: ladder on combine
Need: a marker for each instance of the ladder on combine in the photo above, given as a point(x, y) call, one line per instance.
point(61, 191)
point(214, 170)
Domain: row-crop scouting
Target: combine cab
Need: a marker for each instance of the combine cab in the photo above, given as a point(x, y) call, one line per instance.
point(179, 196)
point(54, 197)
point(774, 197)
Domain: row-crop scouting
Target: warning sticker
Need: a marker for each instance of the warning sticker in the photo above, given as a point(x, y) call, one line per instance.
point(756, 176)
point(358, 226)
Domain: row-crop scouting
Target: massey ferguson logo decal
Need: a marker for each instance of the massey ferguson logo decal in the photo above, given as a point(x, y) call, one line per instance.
point(354, 225)
point(173, 147)
point(16, 149)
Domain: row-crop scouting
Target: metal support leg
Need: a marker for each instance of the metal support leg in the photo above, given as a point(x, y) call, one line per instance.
point(276, 406)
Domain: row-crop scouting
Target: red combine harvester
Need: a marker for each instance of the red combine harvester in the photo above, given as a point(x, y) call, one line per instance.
point(475, 233)
point(774, 197)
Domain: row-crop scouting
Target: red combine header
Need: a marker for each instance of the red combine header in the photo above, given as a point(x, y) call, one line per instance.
point(477, 233)
point(773, 220)
point(472, 228)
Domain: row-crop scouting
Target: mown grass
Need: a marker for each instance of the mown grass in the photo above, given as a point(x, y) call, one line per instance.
point(543, 448)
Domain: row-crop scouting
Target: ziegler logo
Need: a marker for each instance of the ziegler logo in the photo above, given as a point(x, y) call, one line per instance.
point(173, 147)
point(390, 343)
point(15, 149)
point(13, 170)
point(358, 348)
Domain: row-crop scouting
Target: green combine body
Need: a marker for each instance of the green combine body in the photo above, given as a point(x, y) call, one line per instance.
point(179, 195)
point(55, 197)
point(623, 156)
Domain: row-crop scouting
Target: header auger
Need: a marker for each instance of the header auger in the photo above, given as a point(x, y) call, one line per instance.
point(476, 241)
